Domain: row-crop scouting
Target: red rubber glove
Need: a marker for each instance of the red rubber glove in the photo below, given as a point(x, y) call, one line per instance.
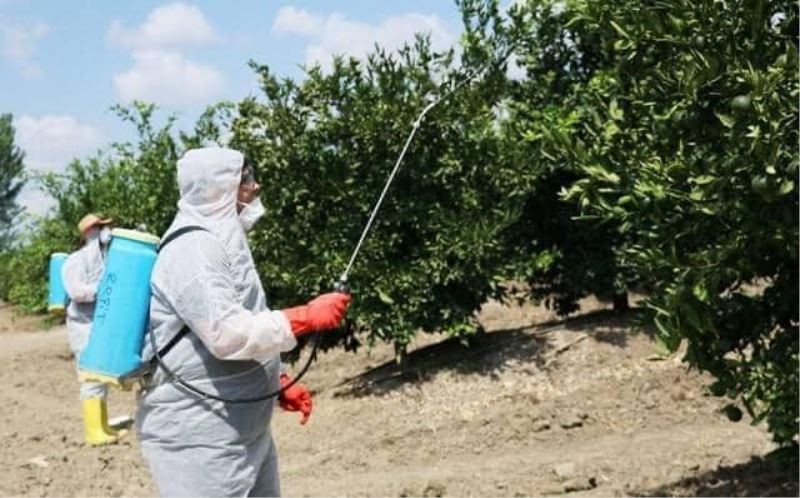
point(296, 399)
point(322, 313)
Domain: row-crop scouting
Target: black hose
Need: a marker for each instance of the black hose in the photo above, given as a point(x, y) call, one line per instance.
point(199, 392)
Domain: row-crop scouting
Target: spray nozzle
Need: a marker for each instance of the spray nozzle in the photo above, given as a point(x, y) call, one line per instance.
point(341, 285)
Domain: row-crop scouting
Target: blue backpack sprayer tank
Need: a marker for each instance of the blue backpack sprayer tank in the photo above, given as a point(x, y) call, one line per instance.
point(123, 302)
point(57, 294)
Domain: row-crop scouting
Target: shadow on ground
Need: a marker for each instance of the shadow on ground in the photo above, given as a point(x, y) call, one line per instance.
point(771, 475)
point(488, 353)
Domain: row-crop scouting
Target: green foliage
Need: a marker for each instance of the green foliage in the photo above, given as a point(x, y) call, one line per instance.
point(133, 183)
point(652, 144)
point(559, 254)
point(685, 135)
point(5, 278)
point(324, 148)
point(26, 268)
point(12, 169)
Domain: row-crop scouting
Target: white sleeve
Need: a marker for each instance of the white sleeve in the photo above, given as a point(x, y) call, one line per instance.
point(206, 303)
point(74, 275)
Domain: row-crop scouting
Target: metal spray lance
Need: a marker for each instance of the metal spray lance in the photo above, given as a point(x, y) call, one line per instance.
point(342, 284)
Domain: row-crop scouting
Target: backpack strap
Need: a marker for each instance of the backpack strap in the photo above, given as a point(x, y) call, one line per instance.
point(168, 346)
point(177, 233)
point(185, 330)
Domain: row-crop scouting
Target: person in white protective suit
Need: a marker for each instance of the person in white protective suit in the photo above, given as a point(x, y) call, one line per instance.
point(81, 274)
point(206, 280)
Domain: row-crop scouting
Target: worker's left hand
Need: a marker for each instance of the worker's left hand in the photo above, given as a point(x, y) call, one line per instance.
point(296, 399)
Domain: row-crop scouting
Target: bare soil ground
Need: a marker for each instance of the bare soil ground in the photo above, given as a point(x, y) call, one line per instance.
point(536, 407)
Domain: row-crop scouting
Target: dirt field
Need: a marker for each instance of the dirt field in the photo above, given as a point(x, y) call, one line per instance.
point(538, 407)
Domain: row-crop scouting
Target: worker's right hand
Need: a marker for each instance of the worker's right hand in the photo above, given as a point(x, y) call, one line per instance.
point(322, 313)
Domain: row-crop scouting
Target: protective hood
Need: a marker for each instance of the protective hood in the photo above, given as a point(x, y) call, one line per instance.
point(208, 180)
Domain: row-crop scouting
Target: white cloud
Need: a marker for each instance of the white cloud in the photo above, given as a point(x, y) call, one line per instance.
point(161, 73)
point(293, 21)
point(18, 44)
point(169, 26)
point(34, 200)
point(168, 78)
point(50, 142)
point(335, 34)
point(19, 41)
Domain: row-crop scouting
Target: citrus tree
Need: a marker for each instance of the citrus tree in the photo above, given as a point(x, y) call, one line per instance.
point(561, 255)
point(683, 132)
point(324, 148)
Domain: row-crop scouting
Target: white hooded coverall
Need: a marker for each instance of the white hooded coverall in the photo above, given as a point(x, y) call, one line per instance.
point(81, 275)
point(207, 281)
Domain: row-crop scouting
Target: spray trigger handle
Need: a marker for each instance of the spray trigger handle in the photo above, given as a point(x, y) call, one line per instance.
point(341, 286)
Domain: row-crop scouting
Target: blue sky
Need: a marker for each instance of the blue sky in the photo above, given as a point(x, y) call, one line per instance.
point(63, 63)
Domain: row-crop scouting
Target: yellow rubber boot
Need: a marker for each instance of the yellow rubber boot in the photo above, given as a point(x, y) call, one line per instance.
point(94, 422)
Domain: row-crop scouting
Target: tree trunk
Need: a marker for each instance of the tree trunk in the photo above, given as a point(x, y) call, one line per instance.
point(621, 304)
point(401, 356)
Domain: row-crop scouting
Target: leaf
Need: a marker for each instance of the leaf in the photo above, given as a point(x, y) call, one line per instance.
point(726, 120)
point(659, 310)
point(384, 297)
point(614, 110)
point(661, 328)
point(622, 45)
point(619, 30)
point(661, 347)
point(700, 292)
point(702, 179)
point(697, 194)
point(610, 130)
point(707, 210)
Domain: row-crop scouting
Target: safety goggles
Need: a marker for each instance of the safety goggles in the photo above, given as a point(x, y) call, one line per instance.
point(248, 175)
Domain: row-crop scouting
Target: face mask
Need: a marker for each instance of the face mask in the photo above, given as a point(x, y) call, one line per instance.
point(251, 213)
point(92, 235)
point(105, 236)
